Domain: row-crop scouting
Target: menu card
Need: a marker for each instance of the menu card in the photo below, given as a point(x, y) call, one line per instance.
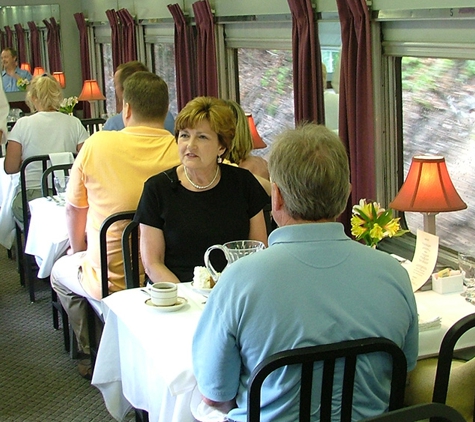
point(425, 258)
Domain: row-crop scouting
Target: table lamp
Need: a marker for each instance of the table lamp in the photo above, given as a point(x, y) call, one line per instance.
point(256, 138)
point(91, 92)
point(61, 78)
point(429, 190)
point(26, 66)
point(38, 71)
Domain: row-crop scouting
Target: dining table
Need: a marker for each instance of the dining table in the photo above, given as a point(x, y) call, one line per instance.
point(47, 237)
point(144, 359)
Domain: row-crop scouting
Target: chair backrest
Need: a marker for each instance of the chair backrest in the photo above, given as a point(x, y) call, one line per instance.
point(420, 412)
point(46, 180)
point(328, 354)
point(130, 254)
point(93, 125)
point(446, 354)
point(43, 159)
point(123, 215)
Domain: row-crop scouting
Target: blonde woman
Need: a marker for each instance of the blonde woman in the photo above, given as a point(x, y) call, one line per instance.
point(45, 131)
point(242, 145)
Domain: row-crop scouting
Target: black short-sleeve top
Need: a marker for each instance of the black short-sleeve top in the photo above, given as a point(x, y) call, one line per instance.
point(193, 221)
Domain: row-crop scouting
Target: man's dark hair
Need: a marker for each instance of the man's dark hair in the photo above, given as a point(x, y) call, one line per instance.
point(147, 95)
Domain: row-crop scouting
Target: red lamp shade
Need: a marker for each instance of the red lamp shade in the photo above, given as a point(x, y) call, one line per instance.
point(428, 188)
point(26, 66)
point(61, 78)
point(38, 71)
point(256, 138)
point(90, 91)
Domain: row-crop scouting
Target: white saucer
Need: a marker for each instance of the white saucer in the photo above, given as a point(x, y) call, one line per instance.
point(197, 289)
point(180, 302)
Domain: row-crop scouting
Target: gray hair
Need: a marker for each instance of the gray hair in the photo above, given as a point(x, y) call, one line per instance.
point(310, 166)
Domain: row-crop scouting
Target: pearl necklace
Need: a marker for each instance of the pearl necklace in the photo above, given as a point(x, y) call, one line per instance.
point(198, 186)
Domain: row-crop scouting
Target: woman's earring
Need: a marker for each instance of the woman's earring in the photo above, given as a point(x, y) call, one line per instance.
point(220, 160)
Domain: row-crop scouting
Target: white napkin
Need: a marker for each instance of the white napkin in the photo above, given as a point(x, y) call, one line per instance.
point(58, 158)
point(427, 319)
point(202, 412)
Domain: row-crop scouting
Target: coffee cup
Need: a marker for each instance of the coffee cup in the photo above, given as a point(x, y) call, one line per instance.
point(164, 293)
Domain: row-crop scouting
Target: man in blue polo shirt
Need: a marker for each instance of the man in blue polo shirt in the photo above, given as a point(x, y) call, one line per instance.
point(11, 73)
point(122, 72)
point(313, 285)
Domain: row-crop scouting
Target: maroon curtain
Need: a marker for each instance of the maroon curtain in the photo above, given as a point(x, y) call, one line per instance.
point(206, 65)
point(3, 42)
point(9, 37)
point(20, 36)
point(84, 52)
point(115, 38)
point(308, 78)
point(356, 127)
point(54, 45)
point(129, 45)
point(185, 75)
point(35, 49)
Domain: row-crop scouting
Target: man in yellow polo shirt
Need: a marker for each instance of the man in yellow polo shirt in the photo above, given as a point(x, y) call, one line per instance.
point(107, 177)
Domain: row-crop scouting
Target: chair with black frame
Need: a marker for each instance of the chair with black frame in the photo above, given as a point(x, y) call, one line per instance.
point(93, 125)
point(447, 378)
point(130, 254)
point(47, 189)
point(25, 261)
point(306, 357)
point(94, 313)
point(420, 412)
point(446, 355)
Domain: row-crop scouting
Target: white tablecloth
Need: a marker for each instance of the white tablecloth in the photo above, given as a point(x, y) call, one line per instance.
point(8, 189)
point(47, 235)
point(450, 308)
point(144, 358)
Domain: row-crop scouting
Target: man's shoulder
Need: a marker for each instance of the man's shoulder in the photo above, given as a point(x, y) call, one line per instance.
point(114, 123)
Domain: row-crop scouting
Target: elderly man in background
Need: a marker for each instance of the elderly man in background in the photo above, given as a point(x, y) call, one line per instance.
point(123, 71)
point(11, 72)
point(108, 177)
point(313, 285)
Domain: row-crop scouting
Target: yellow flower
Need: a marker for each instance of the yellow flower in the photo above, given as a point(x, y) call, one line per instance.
point(376, 232)
point(392, 227)
point(370, 222)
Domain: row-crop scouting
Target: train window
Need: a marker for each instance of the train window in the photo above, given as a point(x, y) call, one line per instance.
point(266, 90)
point(164, 66)
point(439, 118)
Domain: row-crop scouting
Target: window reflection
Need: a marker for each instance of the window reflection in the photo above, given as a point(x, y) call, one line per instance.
point(439, 118)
